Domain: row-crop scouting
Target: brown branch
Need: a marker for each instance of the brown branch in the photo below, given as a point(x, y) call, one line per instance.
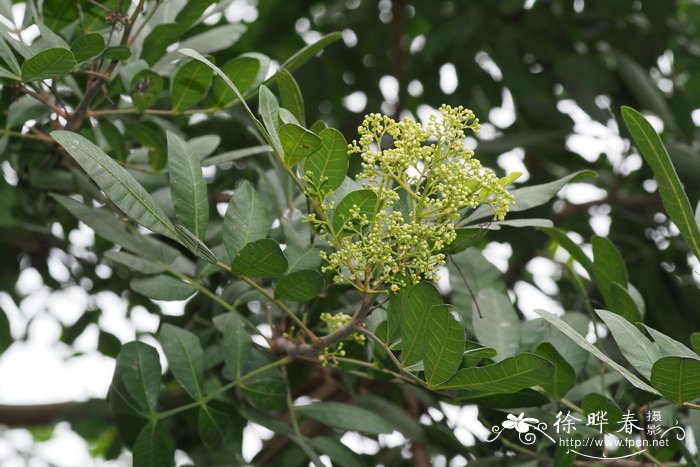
point(44, 100)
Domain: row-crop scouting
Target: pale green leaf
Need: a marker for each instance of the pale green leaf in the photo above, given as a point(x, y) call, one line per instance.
point(365, 201)
point(247, 219)
point(185, 358)
point(139, 367)
point(582, 342)
point(499, 326)
point(414, 302)
point(290, 94)
point(135, 263)
point(308, 52)
point(119, 185)
point(230, 156)
point(237, 342)
point(187, 186)
point(635, 347)
point(145, 89)
point(563, 377)
point(270, 112)
point(161, 287)
point(195, 245)
point(669, 347)
point(243, 71)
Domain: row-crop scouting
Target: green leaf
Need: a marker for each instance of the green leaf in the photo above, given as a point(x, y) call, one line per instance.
point(675, 200)
point(677, 378)
point(305, 54)
point(5, 334)
point(290, 94)
point(607, 264)
point(237, 342)
point(191, 12)
point(158, 40)
point(195, 245)
point(328, 166)
point(341, 454)
point(187, 186)
point(415, 301)
point(50, 63)
point(302, 258)
point(230, 156)
point(185, 358)
point(299, 286)
point(8, 56)
point(500, 326)
point(669, 347)
point(161, 287)
point(560, 237)
point(269, 110)
point(622, 303)
point(695, 342)
point(214, 427)
point(189, 85)
point(261, 258)
point(297, 143)
point(564, 376)
point(247, 219)
point(87, 46)
point(139, 367)
point(119, 185)
point(593, 402)
point(117, 52)
point(145, 89)
point(135, 263)
point(346, 417)
point(266, 390)
point(243, 71)
point(443, 345)
point(635, 347)
point(583, 343)
point(153, 447)
point(532, 196)
point(510, 375)
point(365, 201)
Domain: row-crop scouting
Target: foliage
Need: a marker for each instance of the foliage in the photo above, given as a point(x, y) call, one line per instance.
point(213, 173)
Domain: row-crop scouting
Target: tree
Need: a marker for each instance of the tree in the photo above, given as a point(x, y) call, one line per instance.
point(212, 163)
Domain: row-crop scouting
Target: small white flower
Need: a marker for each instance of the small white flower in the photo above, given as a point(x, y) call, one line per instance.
point(520, 423)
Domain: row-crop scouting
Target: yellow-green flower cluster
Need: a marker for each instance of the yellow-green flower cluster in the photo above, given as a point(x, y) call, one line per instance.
point(335, 322)
point(423, 178)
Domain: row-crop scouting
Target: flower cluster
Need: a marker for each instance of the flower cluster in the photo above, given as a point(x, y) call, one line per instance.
point(335, 322)
point(423, 179)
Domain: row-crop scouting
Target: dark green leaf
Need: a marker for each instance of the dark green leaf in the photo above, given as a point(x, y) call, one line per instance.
point(139, 367)
point(643, 88)
point(563, 378)
point(290, 94)
point(346, 417)
point(116, 182)
point(415, 303)
point(145, 89)
point(510, 375)
point(187, 185)
point(153, 447)
point(695, 342)
point(247, 219)
point(261, 258)
point(560, 237)
point(622, 303)
point(365, 201)
point(162, 287)
point(302, 258)
point(243, 71)
point(158, 40)
point(189, 85)
point(270, 112)
point(214, 427)
point(195, 245)
point(328, 166)
point(677, 378)
point(341, 454)
point(297, 143)
point(583, 343)
point(50, 63)
point(87, 46)
point(230, 156)
point(675, 200)
point(191, 12)
point(299, 286)
point(185, 358)
point(117, 52)
point(443, 345)
point(308, 52)
point(598, 403)
point(237, 342)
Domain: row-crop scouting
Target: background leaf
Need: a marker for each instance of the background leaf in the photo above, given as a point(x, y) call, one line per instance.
point(153, 447)
point(299, 286)
point(346, 417)
point(48, 64)
point(261, 258)
point(139, 367)
point(247, 219)
point(185, 358)
point(161, 287)
point(189, 85)
point(677, 378)
point(415, 304)
point(444, 344)
point(329, 163)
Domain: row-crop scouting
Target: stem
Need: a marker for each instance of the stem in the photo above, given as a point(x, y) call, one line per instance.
point(392, 357)
point(223, 389)
point(44, 100)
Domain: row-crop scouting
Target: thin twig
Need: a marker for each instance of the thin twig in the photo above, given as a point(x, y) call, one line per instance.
point(471, 292)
